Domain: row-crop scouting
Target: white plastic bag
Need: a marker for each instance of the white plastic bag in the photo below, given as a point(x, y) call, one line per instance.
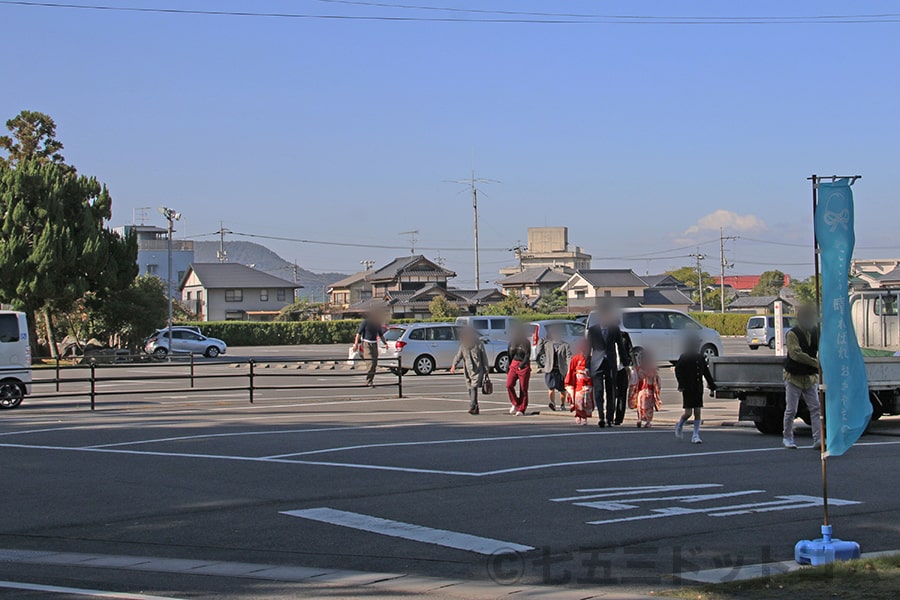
point(353, 357)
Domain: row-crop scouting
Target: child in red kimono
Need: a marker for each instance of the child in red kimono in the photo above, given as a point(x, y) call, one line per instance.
point(578, 385)
point(644, 393)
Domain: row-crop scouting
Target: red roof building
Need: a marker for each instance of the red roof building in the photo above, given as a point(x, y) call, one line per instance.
point(744, 283)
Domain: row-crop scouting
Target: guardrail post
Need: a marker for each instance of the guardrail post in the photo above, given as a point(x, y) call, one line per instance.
point(57, 372)
point(252, 364)
point(192, 370)
point(399, 379)
point(93, 384)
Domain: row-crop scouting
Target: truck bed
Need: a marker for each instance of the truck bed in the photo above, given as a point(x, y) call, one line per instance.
point(745, 374)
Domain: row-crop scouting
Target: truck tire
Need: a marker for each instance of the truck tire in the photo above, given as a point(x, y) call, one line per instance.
point(770, 423)
point(771, 344)
point(877, 408)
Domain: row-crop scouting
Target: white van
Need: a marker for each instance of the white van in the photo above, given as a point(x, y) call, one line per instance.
point(15, 359)
point(495, 328)
point(665, 331)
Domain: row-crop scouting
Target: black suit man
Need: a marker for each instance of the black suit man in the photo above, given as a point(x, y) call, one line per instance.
point(607, 346)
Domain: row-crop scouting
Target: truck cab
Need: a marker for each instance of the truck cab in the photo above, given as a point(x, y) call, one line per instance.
point(15, 359)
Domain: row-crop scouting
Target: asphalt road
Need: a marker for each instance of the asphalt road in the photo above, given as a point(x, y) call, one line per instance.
point(186, 494)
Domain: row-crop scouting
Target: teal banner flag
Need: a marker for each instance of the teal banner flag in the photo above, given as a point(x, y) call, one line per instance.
point(847, 406)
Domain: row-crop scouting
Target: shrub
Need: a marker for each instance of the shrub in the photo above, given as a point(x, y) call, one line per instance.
point(727, 324)
point(287, 333)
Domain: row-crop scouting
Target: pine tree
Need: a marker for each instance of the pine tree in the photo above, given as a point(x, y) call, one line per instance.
point(54, 244)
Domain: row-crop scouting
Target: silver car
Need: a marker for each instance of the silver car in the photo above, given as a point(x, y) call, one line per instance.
point(570, 332)
point(185, 340)
point(425, 348)
point(761, 331)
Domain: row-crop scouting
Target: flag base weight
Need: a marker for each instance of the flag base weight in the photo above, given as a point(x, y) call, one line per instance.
point(825, 550)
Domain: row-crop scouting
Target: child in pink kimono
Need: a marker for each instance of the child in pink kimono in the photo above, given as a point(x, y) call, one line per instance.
point(644, 394)
point(578, 385)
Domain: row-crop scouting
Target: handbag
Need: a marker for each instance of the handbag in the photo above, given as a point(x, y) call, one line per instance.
point(487, 386)
point(353, 356)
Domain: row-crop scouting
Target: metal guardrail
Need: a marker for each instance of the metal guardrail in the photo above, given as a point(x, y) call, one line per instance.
point(254, 374)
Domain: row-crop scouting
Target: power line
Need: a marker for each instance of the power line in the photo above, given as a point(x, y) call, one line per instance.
point(555, 20)
point(603, 16)
point(359, 245)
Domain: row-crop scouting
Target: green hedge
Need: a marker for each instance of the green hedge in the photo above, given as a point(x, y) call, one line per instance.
point(727, 324)
point(276, 333)
point(286, 333)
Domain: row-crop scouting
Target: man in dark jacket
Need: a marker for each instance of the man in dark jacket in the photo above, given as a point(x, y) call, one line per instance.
point(608, 346)
point(370, 331)
point(801, 375)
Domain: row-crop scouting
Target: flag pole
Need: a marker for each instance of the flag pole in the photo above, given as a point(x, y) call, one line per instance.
point(826, 549)
point(821, 390)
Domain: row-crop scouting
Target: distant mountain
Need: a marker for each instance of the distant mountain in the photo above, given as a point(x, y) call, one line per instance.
point(260, 257)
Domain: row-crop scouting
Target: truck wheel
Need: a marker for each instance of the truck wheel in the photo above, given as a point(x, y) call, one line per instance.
point(877, 408)
point(754, 347)
point(772, 344)
point(771, 423)
point(11, 394)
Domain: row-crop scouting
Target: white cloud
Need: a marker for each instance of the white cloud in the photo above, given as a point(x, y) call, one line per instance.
point(730, 221)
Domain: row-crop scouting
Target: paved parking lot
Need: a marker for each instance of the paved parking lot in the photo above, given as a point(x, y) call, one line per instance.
point(351, 492)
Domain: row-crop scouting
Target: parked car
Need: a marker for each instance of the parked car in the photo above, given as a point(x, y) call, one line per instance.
point(185, 340)
point(570, 331)
point(424, 348)
point(495, 328)
point(15, 359)
point(761, 331)
point(665, 331)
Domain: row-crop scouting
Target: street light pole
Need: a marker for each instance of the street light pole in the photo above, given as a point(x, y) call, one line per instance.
point(171, 216)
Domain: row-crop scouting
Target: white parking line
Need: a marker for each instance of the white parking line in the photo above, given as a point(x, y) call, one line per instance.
point(373, 467)
point(457, 441)
point(408, 531)
point(34, 587)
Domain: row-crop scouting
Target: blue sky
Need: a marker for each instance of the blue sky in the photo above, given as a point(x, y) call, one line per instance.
point(346, 131)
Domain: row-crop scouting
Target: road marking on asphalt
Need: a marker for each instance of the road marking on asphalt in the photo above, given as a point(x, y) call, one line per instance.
point(254, 433)
point(372, 467)
point(623, 499)
point(451, 441)
point(408, 531)
point(34, 587)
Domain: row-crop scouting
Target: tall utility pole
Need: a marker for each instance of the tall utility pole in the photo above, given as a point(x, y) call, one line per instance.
point(519, 251)
point(222, 254)
point(171, 216)
point(724, 264)
point(472, 182)
point(700, 258)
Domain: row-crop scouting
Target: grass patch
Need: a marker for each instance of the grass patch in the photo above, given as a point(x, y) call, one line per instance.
point(874, 579)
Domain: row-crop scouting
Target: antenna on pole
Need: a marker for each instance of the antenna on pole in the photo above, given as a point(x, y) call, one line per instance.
point(413, 239)
point(367, 264)
point(222, 254)
point(472, 183)
point(140, 213)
